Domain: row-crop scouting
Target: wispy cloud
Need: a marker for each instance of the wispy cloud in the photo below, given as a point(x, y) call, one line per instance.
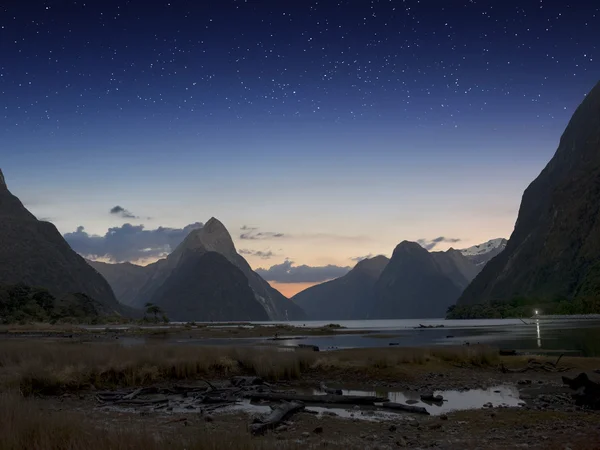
point(122, 212)
point(430, 244)
point(252, 234)
point(361, 258)
point(267, 254)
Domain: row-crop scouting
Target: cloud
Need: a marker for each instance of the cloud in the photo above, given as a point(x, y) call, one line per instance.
point(252, 234)
point(361, 258)
point(429, 244)
point(122, 212)
point(286, 272)
point(267, 254)
point(128, 242)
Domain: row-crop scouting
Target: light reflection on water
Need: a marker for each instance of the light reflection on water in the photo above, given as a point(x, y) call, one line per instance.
point(498, 396)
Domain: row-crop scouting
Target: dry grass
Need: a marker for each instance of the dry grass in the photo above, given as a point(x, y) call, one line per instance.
point(35, 367)
point(25, 426)
point(397, 357)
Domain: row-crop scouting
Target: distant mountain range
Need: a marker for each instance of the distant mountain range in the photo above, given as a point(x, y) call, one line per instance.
point(33, 253)
point(204, 278)
point(482, 253)
point(554, 250)
point(414, 283)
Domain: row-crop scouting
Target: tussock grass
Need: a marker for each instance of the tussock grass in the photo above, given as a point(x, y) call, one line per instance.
point(25, 426)
point(35, 367)
point(47, 368)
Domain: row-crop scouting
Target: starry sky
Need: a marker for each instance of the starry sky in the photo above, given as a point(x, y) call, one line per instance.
point(318, 132)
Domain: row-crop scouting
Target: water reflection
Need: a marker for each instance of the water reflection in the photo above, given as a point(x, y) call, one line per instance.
point(539, 338)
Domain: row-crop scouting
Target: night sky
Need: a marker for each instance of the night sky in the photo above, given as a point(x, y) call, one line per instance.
point(334, 128)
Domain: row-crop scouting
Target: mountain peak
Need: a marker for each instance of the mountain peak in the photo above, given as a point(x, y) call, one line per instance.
point(214, 225)
point(408, 246)
point(212, 237)
point(3, 185)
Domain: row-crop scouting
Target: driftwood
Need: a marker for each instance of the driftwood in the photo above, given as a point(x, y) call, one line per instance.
point(328, 390)
point(588, 392)
point(405, 408)
point(316, 399)
point(536, 366)
point(278, 414)
point(246, 381)
point(152, 401)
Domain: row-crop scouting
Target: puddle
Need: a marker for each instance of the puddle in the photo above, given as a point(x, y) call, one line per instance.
point(497, 396)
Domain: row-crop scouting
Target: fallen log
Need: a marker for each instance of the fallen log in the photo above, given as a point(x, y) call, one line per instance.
point(280, 413)
point(140, 391)
point(328, 390)
point(405, 408)
point(246, 381)
point(140, 402)
point(536, 366)
point(316, 399)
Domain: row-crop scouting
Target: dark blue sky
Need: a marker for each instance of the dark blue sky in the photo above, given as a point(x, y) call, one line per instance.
point(426, 117)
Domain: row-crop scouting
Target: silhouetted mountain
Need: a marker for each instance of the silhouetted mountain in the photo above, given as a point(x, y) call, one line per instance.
point(34, 253)
point(126, 279)
point(414, 285)
point(455, 266)
point(345, 298)
point(138, 285)
point(554, 249)
point(205, 286)
point(481, 254)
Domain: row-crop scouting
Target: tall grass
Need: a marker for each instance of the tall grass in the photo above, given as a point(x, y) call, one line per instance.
point(35, 367)
point(47, 368)
point(25, 426)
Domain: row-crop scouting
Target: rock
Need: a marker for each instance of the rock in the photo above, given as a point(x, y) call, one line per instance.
point(209, 418)
point(306, 434)
point(281, 428)
point(393, 428)
point(318, 430)
point(444, 417)
point(435, 426)
point(401, 442)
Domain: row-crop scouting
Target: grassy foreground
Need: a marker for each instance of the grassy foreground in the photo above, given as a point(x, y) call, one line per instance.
point(35, 367)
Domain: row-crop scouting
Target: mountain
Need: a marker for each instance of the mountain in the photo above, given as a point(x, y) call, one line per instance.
point(205, 286)
point(345, 298)
point(213, 237)
point(34, 253)
point(481, 254)
point(460, 269)
point(416, 284)
point(554, 250)
point(126, 279)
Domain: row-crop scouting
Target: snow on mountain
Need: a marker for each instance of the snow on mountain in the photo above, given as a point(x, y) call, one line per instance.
point(482, 253)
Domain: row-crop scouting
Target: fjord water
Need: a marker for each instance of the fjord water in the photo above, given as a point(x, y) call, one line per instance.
point(548, 335)
point(570, 335)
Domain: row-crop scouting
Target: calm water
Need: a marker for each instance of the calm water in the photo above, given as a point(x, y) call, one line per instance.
point(579, 336)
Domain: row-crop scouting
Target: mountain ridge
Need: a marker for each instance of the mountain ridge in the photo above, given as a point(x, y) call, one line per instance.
point(34, 253)
point(554, 250)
